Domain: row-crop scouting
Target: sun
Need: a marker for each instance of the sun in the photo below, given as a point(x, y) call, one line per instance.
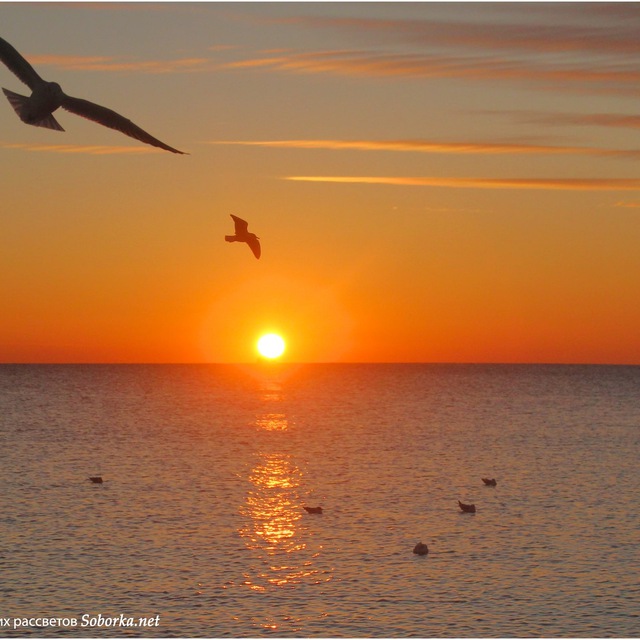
point(271, 346)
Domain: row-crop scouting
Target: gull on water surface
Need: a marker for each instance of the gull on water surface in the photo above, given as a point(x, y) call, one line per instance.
point(467, 508)
point(243, 235)
point(313, 509)
point(46, 97)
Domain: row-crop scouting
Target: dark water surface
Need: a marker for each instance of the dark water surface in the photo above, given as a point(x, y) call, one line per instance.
point(206, 469)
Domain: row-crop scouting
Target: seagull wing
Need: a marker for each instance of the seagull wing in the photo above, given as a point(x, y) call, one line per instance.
point(242, 226)
point(254, 244)
point(18, 65)
point(113, 120)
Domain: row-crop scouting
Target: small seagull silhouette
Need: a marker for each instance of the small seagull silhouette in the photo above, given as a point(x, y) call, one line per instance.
point(490, 482)
point(243, 235)
point(421, 549)
point(467, 508)
point(313, 509)
point(46, 97)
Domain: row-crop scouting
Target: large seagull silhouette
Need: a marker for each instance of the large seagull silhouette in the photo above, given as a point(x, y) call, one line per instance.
point(46, 97)
point(243, 235)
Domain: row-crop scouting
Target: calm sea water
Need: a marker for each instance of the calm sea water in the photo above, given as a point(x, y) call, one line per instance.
point(206, 469)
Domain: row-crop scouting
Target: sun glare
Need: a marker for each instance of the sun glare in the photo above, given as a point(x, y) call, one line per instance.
point(271, 345)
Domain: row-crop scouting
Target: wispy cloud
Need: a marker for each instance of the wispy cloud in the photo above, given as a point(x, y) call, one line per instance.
point(628, 205)
point(621, 120)
point(576, 12)
point(82, 149)
point(112, 64)
point(429, 146)
point(491, 36)
point(622, 77)
point(552, 184)
point(580, 50)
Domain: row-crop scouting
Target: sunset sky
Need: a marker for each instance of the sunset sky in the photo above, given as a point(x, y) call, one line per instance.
point(430, 182)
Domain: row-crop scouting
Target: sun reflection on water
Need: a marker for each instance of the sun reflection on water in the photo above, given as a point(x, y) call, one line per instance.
point(273, 502)
point(274, 529)
point(272, 422)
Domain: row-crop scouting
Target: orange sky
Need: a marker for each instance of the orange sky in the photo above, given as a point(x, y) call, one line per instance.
point(430, 183)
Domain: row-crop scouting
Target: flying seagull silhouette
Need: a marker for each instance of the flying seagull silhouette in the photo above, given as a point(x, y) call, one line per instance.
point(46, 97)
point(243, 235)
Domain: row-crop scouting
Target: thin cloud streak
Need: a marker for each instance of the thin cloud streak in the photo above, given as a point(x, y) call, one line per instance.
point(621, 78)
point(619, 120)
point(625, 12)
point(111, 64)
point(427, 146)
point(80, 149)
point(490, 36)
point(552, 184)
point(628, 205)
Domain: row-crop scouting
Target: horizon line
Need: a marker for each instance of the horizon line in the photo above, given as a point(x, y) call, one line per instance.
point(332, 362)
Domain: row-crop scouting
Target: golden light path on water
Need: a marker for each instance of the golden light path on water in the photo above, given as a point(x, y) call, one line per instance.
point(274, 528)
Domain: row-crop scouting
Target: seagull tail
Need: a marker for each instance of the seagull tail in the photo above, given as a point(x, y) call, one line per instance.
point(19, 104)
point(230, 238)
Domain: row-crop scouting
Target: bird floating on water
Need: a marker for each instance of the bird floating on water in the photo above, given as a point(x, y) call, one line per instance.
point(313, 509)
point(96, 479)
point(46, 97)
point(243, 235)
point(467, 508)
point(421, 549)
point(490, 482)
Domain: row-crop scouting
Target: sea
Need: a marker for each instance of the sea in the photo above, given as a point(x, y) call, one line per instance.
point(198, 528)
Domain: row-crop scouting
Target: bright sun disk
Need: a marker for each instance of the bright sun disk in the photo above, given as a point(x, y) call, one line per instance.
point(271, 345)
